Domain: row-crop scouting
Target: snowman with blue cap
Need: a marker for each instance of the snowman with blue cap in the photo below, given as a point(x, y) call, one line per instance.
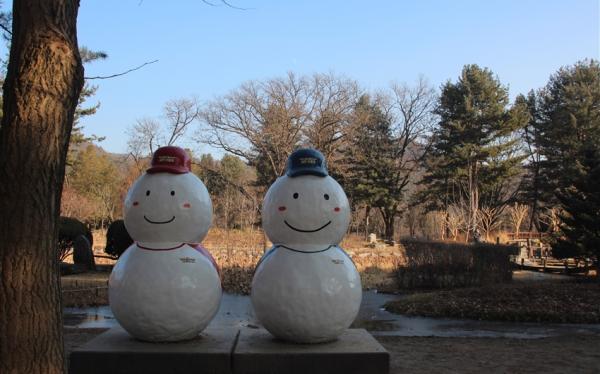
point(166, 286)
point(306, 289)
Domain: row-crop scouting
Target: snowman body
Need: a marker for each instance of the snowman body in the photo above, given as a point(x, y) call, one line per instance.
point(165, 286)
point(306, 289)
point(306, 298)
point(164, 295)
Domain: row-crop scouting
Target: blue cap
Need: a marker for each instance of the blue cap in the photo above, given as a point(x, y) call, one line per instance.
point(306, 161)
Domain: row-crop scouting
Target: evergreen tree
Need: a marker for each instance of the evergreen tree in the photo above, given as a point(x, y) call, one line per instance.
point(568, 129)
point(475, 157)
point(568, 122)
point(373, 178)
point(580, 232)
point(207, 169)
point(88, 91)
point(531, 183)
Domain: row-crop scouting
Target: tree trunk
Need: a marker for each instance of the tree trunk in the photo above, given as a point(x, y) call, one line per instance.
point(389, 218)
point(43, 82)
point(367, 214)
point(473, 192)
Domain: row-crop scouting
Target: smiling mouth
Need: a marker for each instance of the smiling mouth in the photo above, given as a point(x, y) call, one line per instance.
point(299, 230)
point(158, 222)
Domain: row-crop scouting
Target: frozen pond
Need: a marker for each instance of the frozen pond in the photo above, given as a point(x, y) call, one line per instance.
point(236, 311)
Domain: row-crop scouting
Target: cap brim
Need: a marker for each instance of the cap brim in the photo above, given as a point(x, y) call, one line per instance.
point(306, 171)
point(168, 169)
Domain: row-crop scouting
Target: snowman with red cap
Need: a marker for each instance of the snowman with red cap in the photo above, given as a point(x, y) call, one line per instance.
point(166, 286)
point(306, 289)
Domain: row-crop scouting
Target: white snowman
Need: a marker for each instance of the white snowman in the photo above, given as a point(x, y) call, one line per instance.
point(165, 286)
point(306, 289)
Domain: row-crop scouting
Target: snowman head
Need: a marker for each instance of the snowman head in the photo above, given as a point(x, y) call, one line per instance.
point(168, 204)
point(306, 206)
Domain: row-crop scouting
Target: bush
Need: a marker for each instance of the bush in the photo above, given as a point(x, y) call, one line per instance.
point(433, 265)
point(69, 229)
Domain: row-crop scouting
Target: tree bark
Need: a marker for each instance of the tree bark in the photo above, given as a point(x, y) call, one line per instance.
point(43, 82)
point(389, 218)
point(366, 224)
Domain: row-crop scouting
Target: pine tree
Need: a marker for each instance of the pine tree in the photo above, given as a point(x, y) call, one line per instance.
point(475, 157)
point(580, 232)
point(372, 178)
point(43, 80)
point(88, 91)
point(569, 121)
point(531, 184)
point(568, 129)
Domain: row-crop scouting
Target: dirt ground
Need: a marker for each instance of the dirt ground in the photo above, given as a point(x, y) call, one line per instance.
point(564, 354)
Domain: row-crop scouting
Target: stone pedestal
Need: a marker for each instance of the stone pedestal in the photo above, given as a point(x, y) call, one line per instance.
point(115, 351)
point(355, 352)
point(230, 350)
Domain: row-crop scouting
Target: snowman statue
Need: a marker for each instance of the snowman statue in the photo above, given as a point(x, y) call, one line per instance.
point(166, 286)
point(306, 289)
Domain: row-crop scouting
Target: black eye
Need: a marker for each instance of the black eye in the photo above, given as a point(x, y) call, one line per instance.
point(295, 195)
point(326, 197)
point(172, 193)
point(148, 193)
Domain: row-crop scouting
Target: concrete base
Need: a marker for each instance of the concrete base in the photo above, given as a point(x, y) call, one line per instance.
point(230, 350)
point(356, 351)
point(115, 351)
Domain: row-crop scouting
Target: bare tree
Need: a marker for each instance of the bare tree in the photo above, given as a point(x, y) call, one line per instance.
point(438, 222)
point(180, 114)
point(333, 100)
point(148, 134)
point(517, 213)
point(262, 122)
point(143, 139)
point(411, 110)
point(489, 219)
point(551, 218)
point(455, 220)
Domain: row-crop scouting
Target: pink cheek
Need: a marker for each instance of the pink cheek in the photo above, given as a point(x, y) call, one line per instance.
point(336, 209)
point(135, 203)
point(187, 205)
point(282, 208)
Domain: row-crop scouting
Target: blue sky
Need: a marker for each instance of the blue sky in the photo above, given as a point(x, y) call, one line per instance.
point(206, 51)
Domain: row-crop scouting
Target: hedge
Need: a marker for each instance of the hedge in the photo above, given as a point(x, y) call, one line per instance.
point(434, 265)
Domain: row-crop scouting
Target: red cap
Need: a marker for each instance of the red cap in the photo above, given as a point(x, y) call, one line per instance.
point(170, 160)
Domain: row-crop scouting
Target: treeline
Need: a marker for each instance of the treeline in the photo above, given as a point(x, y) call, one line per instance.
point(462, 162)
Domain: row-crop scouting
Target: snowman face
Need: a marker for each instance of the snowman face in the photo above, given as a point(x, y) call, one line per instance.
point(306, 210)
point(165, 207)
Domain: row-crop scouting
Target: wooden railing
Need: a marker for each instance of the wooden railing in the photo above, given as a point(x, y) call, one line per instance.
point(526, 235)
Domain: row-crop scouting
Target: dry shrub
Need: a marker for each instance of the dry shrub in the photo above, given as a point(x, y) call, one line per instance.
point(238, 252)
point(431, 264)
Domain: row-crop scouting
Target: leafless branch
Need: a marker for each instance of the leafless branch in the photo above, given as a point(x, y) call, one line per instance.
point(5, 29)
point(233, 6)
point(123, 73)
